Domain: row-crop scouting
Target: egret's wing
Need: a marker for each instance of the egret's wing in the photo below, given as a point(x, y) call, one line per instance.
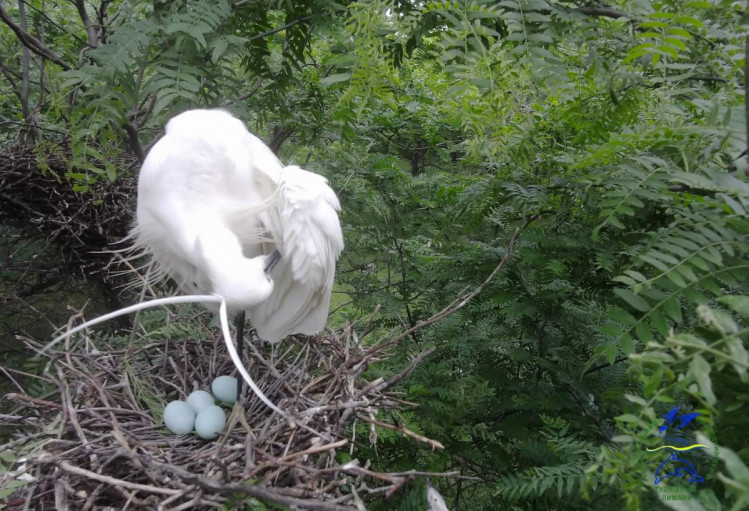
point(311, 231)
point(308, 235)
point(293, 308)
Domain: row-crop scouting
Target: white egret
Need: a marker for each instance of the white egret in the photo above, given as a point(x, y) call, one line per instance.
point(219, 214)
point(435, 501)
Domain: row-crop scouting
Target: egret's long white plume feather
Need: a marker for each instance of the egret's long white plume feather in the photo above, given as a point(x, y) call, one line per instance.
point(172, 300)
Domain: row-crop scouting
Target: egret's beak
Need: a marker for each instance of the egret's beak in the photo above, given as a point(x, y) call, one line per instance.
point(272, 261)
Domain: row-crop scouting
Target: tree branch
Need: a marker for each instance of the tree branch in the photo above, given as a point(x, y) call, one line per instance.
point(604, 365)
point(405, 431)
point(101, 20)
point(252, 490)
point(386, 384)
point(9, 75)
point(746, 96)
point(25, 65)
point(282, 27)
point(280, 134)
point(93, 37)
point(36, 126)
point(252, 91)
point(32, 42)
point(133, 142)
point(53, 22)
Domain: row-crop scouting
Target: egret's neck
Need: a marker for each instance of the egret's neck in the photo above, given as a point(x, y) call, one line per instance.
point(240, 280)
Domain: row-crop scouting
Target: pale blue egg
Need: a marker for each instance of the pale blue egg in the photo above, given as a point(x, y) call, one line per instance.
point(200, 399)
point(225, 389)
point(210, 422)
point(179, 418)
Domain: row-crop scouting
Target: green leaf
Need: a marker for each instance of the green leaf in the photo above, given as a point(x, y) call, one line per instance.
point(643, 332)
point(687, 272)
point(622, 316)
point(346, 60)
point(695, 296)
point(673, 309)
point(659, 322)
point(626, 280)
point(219, 47)
point(628, 344)
point(335, 78)
point(654, 24)
point(623, 439)
point(612, 330)
point(735, 466)
point(609, 351)
point(628, 417)
point(637, 302)
point(164, 101)
point(739, 356)
point(540, 37)
point(678, 31)
point(699, 368)
point(740, 304)
point(676, 279)
point(688, 20)
point(636, 399)
point(655, 262)
point(636, 275)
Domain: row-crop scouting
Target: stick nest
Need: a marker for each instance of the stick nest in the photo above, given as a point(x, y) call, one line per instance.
point(36, 195)
point(95, 440)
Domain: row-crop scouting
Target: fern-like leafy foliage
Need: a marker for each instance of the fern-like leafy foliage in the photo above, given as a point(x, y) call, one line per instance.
point(609, 139)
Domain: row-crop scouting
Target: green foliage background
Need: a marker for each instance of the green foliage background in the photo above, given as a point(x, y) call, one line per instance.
point(619, 129)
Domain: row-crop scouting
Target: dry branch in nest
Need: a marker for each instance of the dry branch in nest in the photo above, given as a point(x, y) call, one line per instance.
point(97, 439)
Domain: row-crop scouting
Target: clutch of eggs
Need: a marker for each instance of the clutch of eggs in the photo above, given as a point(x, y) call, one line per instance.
point(199, 412)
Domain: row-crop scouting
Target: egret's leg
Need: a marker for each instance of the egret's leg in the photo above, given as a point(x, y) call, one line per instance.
point(224, 318)
point(239, 325)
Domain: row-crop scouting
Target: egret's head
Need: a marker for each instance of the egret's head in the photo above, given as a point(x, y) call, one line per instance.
point(244, 284)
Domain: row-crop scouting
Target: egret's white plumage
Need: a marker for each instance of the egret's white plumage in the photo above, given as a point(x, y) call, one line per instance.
point(214, 201)
point(215, 205)
point(435, 501)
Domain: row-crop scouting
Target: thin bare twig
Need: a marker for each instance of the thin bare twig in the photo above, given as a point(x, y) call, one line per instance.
point(746, 97)
point(406, 432)
point(460, 301)
point(67, 467)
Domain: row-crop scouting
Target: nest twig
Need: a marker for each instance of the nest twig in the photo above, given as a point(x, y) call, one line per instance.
point(81, 224)
point(104, 444)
